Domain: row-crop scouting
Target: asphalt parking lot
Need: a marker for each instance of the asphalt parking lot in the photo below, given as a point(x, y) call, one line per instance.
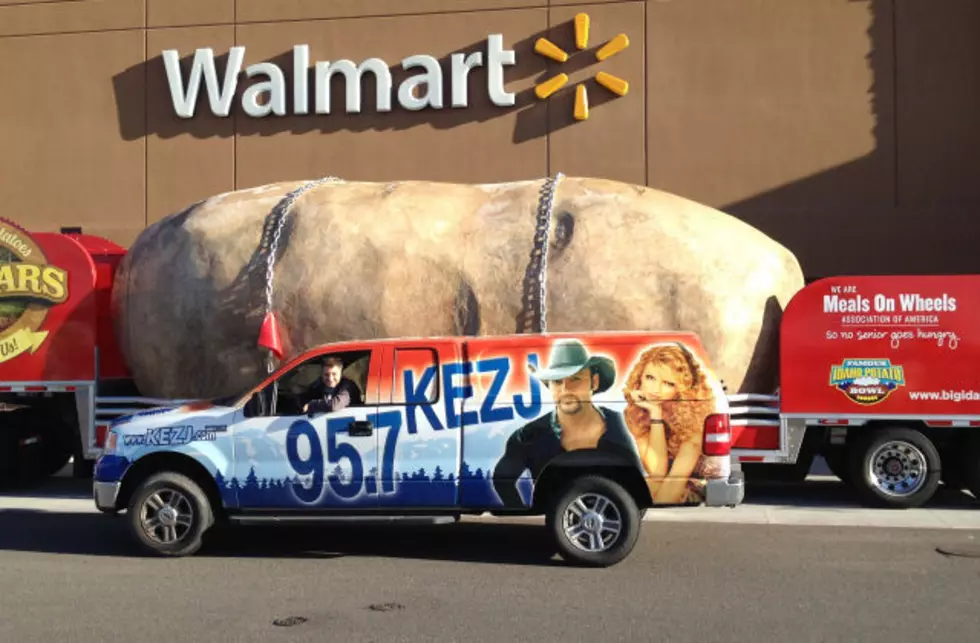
point(797, 562)
point(763, 572)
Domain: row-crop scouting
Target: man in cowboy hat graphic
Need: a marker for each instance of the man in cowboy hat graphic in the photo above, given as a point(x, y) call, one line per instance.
point(573, 377)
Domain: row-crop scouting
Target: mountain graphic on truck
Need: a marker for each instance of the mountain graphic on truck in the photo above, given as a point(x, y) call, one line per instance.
point(415, 488)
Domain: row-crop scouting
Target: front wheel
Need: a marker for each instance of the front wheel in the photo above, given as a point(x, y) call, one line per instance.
point(895, 468)
point(168, 514)
point(594, 522)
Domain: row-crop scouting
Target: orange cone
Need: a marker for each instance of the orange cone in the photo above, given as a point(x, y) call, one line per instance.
point(269, 336)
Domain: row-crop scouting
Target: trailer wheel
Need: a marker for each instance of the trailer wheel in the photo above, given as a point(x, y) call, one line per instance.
point(894, 468)
point(55, 459)
point(8, 457)
point(594, 522)
point(168, 514)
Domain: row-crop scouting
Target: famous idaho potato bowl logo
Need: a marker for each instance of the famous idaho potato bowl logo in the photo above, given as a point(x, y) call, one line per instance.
point(866, 381)
point(29, 286)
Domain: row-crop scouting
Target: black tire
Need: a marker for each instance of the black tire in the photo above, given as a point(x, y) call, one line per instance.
point(58, 447)
point(55, 460)
point(57, 439)
point(619, 502)
point(915, 454)
point(192, 502)
point(25, 449)
point(9, 470)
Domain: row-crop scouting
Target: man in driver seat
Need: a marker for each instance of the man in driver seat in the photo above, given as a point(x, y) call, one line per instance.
point(331, 391)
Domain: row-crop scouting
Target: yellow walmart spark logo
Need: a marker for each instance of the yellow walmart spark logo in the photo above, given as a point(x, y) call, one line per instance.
point(548, 49)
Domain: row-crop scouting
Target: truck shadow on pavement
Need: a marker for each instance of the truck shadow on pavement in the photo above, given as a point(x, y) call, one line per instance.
point(91, 534)
point(834, 494)
point(53, 489)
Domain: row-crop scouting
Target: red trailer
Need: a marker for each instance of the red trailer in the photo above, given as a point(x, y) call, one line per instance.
point(62, 377)
point(881, 376)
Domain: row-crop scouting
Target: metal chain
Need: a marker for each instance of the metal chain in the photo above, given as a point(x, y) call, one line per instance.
point(535, 313)
point(282, 211)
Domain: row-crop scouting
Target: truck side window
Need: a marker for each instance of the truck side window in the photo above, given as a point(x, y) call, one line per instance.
point(287, 395)
point(416, 376)
point(294, 384)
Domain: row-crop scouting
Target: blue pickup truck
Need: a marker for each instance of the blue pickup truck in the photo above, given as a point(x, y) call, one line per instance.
point(588, 430)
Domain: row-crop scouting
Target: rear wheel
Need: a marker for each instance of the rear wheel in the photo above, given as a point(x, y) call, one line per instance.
point(594, 521)
point(55, 459)
point(9, 469)
point(31, 447)
point(57, 446)
point(894, 468)
point(168, 514)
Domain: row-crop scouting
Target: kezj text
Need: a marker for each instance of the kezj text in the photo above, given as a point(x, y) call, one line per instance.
point(498, 405)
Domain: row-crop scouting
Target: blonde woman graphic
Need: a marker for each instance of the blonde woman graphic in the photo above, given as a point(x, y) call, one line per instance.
point(668, 399)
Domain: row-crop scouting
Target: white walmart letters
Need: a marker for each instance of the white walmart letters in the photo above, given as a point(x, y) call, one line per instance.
point(184, 97)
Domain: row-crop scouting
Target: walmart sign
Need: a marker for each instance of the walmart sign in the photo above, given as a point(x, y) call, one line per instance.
point(417, 92)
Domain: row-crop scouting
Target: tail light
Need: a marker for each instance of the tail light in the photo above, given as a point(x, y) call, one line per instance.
point(100, 434)
point(717, 435)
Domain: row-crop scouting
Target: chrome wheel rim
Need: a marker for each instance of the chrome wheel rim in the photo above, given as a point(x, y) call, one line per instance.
point(167, 516)
point(897, 469)
point(592, 522)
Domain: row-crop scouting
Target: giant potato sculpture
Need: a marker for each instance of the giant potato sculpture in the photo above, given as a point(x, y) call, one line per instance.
point(417, 258)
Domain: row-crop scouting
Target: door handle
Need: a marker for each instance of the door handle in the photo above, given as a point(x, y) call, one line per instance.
point(360, 428)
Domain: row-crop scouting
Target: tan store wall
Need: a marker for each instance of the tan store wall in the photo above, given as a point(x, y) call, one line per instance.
point(846, 129)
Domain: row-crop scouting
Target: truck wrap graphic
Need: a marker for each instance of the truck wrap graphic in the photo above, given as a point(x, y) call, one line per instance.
point(437, 430)
point(29, 287)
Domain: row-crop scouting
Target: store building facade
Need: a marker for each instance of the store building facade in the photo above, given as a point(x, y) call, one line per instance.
point(846, 129)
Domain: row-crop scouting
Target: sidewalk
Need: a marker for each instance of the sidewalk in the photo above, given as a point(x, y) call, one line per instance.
point(823, 500)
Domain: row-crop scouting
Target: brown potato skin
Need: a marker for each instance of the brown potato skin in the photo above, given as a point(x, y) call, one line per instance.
point(419, 258)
